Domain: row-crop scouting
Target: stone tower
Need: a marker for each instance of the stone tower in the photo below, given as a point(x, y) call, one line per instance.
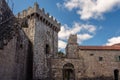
point(13, 46)
point(42, 30)
point(71, 47)
point(6, 23)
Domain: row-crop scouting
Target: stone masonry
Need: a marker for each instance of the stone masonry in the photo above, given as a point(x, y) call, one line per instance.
point(13, 60)
point(91, 63)
point(42, 30)
point(29, 47)
point(13, 46)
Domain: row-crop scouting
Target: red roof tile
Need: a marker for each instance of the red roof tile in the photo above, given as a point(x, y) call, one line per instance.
point(99, 47)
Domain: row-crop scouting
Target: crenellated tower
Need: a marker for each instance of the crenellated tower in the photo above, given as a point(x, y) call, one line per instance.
point(42, 30)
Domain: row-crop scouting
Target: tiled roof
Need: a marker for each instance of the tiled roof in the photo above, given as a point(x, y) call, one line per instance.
point(99, 47)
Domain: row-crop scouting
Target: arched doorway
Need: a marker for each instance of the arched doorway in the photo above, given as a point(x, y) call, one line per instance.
point(116, 74)
point(68, 72)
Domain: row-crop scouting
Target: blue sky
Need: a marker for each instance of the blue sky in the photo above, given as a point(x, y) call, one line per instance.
point(97, 22)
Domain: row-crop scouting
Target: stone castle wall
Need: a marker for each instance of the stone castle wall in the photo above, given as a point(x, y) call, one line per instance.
point(30, 53)
point(42, 30)
point(13, 46)
point(90, 64)
point(7, 61)
point(97, 67)
point(57, 67)
point(13, 58)
point(44, 35)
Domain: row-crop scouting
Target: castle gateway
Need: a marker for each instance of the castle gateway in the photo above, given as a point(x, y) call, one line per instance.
point(29, 47)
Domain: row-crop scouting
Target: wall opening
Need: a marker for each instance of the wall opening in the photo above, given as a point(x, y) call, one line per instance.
point(68, 72)
point(29, 69)
point(47, 49)
point(100, 58)
point(116, 74)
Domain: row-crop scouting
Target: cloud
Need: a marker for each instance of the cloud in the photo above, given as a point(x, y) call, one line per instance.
point(113, 40)
point(88, 9)
point(83, 31)
point(61, 44)
point(83, 37)
point(59, 5)
point(77, 28)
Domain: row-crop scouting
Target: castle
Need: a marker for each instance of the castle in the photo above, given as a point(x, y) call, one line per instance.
point(29, 47)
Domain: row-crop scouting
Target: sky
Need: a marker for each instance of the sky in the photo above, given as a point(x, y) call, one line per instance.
point(96, 22)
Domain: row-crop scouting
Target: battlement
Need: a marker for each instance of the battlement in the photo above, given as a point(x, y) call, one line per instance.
point(72, 39)
point(41, 15)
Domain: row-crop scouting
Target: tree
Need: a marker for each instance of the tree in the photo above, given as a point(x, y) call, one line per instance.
point(61, 54)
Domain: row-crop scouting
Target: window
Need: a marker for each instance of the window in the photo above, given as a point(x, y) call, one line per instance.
point(91, 54)
point(117, 58)
point(47, 49)
point(24, 24)
point(21, 46)
point(100, 58)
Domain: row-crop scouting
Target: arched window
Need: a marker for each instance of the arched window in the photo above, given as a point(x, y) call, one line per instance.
point(47, 49)
point(68, 65)
point(116, 74)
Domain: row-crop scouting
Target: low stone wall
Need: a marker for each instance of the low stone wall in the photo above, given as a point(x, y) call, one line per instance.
point(97, 78)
